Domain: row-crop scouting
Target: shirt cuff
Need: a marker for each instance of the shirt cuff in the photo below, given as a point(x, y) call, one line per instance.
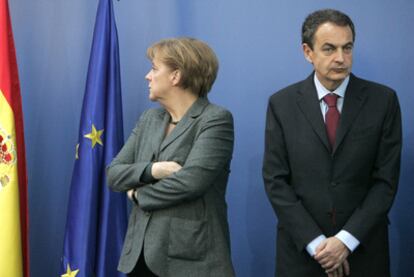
point(349, 240)
point(311, 247)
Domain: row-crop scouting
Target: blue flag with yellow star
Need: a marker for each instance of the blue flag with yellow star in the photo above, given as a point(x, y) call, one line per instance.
point(96, 218)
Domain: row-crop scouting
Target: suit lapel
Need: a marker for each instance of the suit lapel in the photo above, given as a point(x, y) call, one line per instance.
point(308, 103)
point(195, 110)
point(161, 121)
point(354, 100)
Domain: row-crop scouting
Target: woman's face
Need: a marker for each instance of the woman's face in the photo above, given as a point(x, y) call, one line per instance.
point(160, 80)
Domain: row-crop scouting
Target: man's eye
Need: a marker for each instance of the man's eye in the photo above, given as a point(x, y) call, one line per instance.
point(328, 50)
point(348, 49)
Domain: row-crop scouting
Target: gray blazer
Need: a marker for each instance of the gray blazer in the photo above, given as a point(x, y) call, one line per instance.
point(180, 222)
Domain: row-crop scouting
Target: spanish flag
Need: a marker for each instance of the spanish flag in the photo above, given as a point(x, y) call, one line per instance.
point(13, 179)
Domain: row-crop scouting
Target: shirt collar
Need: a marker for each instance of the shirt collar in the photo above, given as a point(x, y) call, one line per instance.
point(322, 91)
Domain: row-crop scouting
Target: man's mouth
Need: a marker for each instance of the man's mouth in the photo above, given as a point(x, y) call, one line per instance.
point(339, 70)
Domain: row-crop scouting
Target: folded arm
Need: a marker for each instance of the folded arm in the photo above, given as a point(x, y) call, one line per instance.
point(208, 158)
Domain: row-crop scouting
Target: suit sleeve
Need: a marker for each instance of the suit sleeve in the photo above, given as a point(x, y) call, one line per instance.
point(124, 173)
point(209, 157)
point(291, 214)
point(385, 175)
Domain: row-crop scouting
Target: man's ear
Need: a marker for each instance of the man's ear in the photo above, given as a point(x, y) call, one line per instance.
point(176, 77)
point(307, 52)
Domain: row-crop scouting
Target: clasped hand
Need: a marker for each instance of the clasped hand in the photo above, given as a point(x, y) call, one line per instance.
point(332, 255)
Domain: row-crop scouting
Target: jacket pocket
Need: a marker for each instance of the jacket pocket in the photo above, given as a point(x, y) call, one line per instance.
point(187, 239)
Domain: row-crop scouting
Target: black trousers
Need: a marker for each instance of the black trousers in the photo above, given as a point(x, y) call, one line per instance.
point(141, 269)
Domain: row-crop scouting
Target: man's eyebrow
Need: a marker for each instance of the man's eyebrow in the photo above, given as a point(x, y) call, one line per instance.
point(328, 44)
point(335, 46)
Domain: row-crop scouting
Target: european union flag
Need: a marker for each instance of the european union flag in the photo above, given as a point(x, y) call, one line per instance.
point(96, 219)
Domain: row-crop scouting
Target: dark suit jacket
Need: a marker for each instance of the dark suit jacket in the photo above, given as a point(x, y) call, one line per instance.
point(305, 180)
point(181, 221)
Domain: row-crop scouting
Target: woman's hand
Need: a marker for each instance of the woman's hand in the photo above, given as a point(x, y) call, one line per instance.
point(161, 170)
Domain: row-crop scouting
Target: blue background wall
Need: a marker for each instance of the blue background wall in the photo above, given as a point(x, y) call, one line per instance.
point(258, 44)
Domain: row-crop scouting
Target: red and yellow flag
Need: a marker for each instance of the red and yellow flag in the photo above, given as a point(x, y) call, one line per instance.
point(13, 179)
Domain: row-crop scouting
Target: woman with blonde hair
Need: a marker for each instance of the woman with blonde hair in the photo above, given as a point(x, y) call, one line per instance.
point(174, 167)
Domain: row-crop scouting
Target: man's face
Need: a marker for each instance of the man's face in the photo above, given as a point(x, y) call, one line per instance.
point(331, 55)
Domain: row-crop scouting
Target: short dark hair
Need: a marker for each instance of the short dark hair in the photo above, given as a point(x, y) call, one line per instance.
point(317, 18)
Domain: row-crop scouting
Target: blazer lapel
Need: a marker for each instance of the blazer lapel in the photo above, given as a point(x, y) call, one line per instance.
point(195, 110)
point(161, 121)
point(308, 103)
point(355, 97)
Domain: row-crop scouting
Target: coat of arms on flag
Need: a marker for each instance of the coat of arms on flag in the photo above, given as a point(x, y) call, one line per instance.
point(7, 158)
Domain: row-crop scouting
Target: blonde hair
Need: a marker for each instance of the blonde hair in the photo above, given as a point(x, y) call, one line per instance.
point(195, 60)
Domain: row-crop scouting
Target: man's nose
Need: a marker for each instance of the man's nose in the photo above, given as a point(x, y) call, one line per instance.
point(339, 56)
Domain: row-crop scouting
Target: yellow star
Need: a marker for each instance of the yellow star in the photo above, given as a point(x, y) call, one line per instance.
point(95, 136)
point(77, 152)
point(69, 272)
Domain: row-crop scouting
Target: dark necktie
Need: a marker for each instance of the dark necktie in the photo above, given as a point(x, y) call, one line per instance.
point(331, 117)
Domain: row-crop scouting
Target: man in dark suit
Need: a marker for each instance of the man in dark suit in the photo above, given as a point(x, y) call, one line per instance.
point(332, 160)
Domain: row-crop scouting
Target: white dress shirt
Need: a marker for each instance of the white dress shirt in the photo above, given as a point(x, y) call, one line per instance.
point(347, 238)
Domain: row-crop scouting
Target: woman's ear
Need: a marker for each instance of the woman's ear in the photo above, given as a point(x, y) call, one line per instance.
point(176, 77)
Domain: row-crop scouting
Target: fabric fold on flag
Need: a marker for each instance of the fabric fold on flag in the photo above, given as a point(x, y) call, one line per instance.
point(14, 250)
point(97, 218)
